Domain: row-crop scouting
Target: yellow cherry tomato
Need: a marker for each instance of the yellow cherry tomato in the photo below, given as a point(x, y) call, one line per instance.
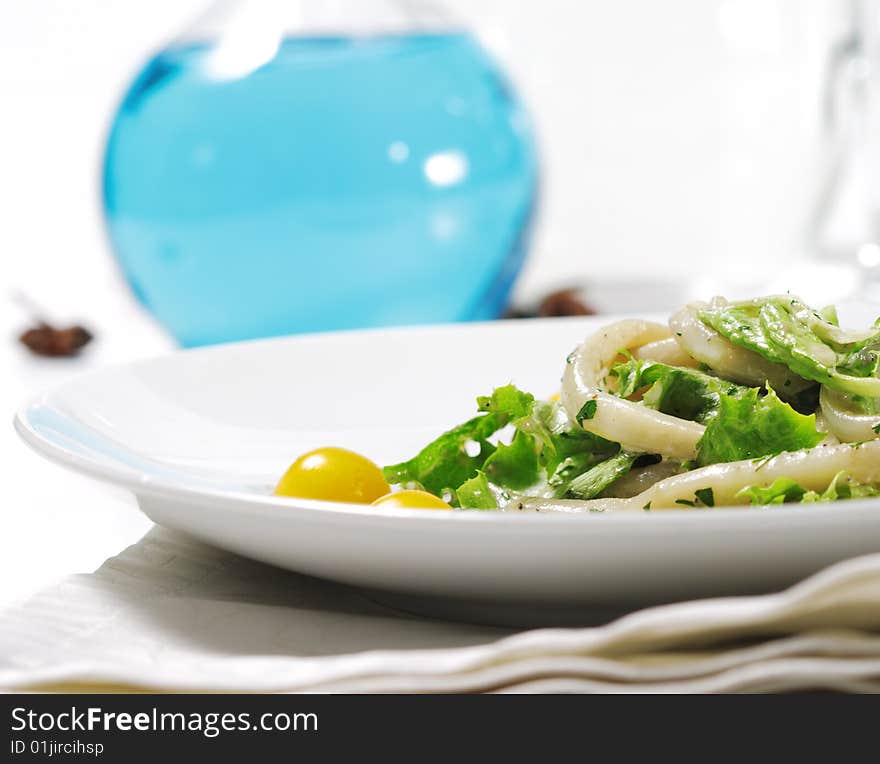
point(411, 500)
point(333, 474)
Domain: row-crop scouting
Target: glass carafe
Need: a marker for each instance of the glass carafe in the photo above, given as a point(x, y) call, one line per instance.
point(292, 166)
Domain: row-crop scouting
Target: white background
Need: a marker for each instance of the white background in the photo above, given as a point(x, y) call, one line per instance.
point(679, 137)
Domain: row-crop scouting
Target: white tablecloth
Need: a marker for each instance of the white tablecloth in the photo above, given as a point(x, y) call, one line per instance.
point(170, 613)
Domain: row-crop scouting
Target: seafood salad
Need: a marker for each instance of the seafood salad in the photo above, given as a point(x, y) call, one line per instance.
point(758, 402)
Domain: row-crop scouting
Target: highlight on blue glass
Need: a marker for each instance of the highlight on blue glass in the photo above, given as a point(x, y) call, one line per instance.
point(265, 178)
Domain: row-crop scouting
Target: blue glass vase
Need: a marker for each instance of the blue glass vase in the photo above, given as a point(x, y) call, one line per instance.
point(273, 172)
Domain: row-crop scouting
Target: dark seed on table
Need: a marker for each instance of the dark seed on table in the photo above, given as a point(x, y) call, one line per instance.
point(46, 340)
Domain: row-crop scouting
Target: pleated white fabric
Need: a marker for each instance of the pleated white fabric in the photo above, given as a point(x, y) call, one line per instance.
point(172, 614)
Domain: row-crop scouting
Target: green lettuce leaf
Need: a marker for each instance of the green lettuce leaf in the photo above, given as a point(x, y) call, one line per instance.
point(843, 486)
point(558, 439)
point(445, 462)
point(804, 352)
point(785, 490)
point(779, 491)
point(568, 469)
point(507, 401)
point(546, 453)
point(740, 422)
point(564, 452)
point(749, 426)
point(596, 479)
point(476, 493)
point(515, 466)
point(741, 324)
point(829, 315)
point(545, 437)
point(684, 393)
point(809, 343)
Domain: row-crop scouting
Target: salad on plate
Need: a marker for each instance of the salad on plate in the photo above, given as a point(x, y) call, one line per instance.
point(758, 402)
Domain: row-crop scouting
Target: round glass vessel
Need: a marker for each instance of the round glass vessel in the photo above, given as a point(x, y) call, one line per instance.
point(307, 166)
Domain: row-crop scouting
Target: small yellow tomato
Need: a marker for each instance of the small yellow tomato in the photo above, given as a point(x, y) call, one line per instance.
point(333, 474)
point(411, 500)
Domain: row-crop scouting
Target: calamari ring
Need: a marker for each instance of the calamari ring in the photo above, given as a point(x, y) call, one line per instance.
point(845, 424)
point(634, 426)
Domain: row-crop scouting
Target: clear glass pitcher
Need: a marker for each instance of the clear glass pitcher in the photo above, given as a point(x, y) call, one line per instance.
point(292, 166)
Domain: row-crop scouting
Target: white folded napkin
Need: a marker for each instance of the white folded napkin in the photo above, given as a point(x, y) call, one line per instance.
point(170, 613)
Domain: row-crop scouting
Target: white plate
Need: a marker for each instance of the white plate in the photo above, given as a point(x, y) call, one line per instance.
point(201, 436)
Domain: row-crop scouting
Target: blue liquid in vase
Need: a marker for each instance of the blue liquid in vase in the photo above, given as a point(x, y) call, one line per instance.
point(344, 183)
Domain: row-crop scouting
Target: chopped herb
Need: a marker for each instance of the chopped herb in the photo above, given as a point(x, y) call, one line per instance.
point(685, 502)
point(705, 496)
point(647, 507)
point(876, 428)
point(588, 411)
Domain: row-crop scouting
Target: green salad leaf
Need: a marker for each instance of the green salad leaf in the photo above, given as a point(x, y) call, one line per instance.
point(685, 393)
point(449, 461)
point(546, 453)
point(741, 324)
point(860, 363)
point(843, 486)
point(750, 426)
point(515, 466)
point(806, 354)
point(810, 344)
point(445, 463)
point(741, 423)
point(829, 315)
point(475, 493)
point(779, 491)
point(558, 439)
point(596, 479)
point(508, 402)
point(785, 490)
